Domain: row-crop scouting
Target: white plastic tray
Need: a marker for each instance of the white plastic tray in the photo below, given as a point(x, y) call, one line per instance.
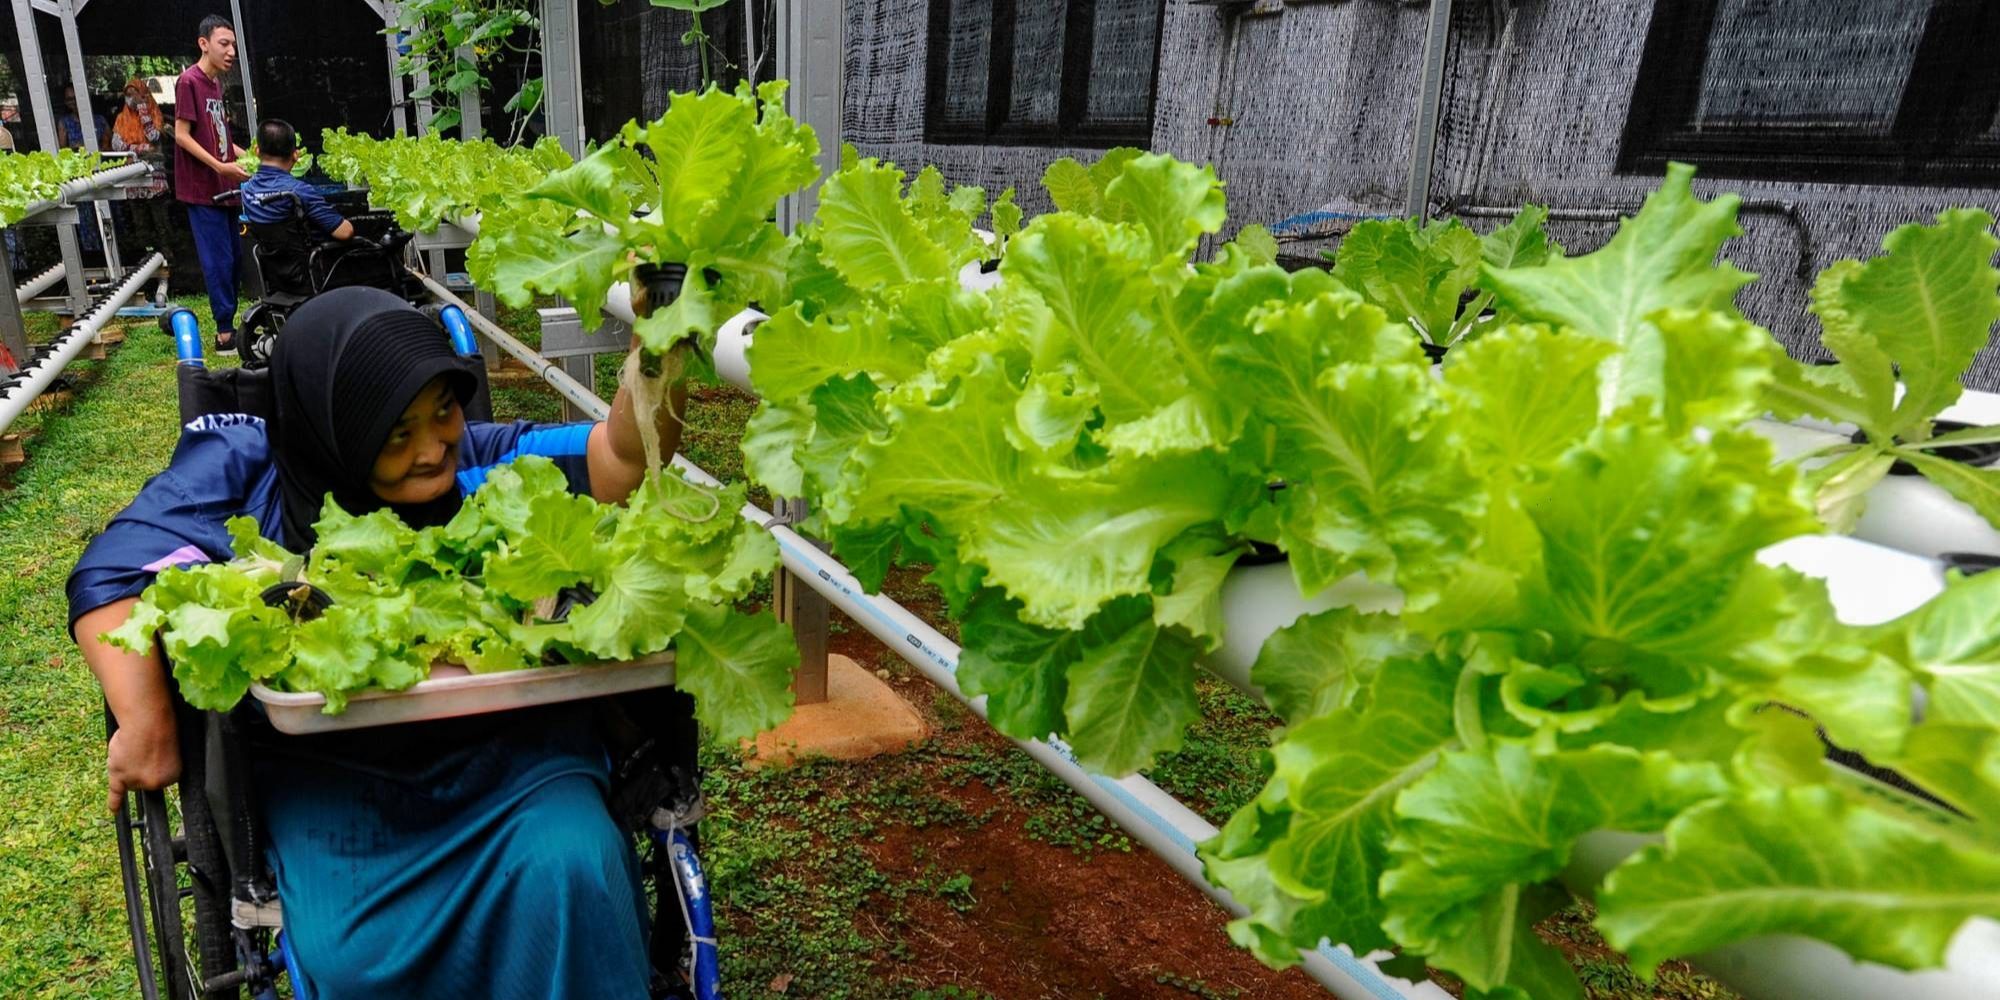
point(452, 692)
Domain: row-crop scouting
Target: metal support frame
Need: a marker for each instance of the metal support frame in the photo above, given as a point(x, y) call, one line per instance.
point(390, 15)
point(100, 215)
point(808, 54)
point(562, 77)
point(806, 610)
point(425, 109)
point(36, 76)
point(574, 351)
point(431, 247)
point(243, 60)
point(469, 126)
point(1423, 145)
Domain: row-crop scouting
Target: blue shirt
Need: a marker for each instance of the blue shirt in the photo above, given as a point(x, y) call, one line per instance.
point(222, 467)
point(267, 199)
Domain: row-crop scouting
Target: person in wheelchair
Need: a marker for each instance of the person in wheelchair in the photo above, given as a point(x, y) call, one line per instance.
point(465, 857)
point(303, 245)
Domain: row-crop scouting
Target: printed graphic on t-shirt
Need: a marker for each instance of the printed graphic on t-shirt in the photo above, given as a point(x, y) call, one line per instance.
point(221, 127)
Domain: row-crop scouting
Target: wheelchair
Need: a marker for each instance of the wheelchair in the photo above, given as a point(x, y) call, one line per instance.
point(290, 263)
point(201, 901)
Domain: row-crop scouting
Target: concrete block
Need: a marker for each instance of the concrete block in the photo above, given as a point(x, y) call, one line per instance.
point(861, 717)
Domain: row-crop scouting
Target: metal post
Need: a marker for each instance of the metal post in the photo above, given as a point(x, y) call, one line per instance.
point(37, 80)
point(425, 110)
point(99, 213)
point(1423, 146)
point(562, 90)
point(583, 368)
point(808, 44)
point(396, 111)
point(243, 60)
point(806, 610)
point(486, 305)
point(468, 102)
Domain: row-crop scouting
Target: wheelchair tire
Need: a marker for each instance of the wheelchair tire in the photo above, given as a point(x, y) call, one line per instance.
point(208, 866)
point(132, 872)
point(160, 874)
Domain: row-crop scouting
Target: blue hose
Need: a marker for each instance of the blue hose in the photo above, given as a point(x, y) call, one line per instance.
point(693, 887)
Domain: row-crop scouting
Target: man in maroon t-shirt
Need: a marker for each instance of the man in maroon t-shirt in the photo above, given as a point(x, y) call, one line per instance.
point(205, 166)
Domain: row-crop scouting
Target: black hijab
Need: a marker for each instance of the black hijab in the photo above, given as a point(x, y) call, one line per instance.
point(346, 366)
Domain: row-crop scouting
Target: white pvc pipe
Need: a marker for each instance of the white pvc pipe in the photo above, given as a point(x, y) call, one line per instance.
point(1904, 512)
point(732, 343)
point(44, 370)
point(76, 188)
point(38, 284)
point(1160, 823)
point(1259, 600)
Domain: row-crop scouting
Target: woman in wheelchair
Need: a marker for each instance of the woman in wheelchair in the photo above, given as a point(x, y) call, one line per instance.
point(468, 857)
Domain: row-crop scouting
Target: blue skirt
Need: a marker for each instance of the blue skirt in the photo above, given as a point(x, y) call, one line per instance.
point(473, 857)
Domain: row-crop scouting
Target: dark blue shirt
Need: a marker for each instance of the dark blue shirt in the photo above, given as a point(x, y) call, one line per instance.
point(267, 198)
point(222, 467)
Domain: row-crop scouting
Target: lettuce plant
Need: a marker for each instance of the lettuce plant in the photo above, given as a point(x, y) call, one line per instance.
point(665, 568)
point(696, 187)
point(1571, 512)
point(1082, 454)
point(29, 178)
point(427, 179)
point(873, 236)
point(1922, 310)
point(1606, 653)
point(1424, 275)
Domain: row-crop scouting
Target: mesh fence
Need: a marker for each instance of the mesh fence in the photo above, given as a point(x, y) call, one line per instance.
point(1836, 120)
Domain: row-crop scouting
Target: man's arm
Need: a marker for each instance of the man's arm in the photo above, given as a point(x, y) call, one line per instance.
point(324, 215)
point(184, 138)
point(145, 751)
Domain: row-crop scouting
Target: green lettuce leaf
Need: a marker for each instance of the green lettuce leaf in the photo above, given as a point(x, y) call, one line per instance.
point(1662, 258)
point(1800, 860)
point(1322, 824)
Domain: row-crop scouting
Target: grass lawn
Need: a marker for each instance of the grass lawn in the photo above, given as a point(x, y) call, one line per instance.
point(957, 871)
point(64, 934)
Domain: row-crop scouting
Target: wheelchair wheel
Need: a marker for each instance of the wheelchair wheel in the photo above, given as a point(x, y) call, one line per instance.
point(148, 856)
point(258, 335)
point(153, 852)
point(207, 866)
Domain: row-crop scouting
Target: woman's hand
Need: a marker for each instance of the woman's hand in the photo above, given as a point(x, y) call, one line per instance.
point(617, 451)
point(144, 752)
point(143, 755)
